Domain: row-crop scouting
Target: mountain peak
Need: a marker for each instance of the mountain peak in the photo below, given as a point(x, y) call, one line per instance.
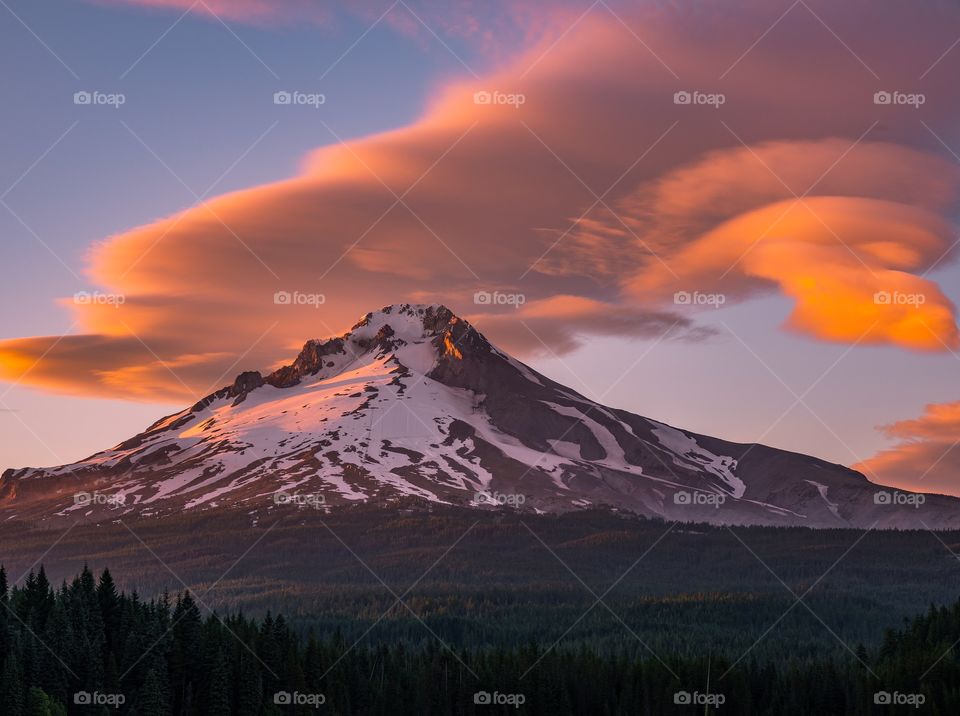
point(389, 328)
point(431, 315)
point(413, 401)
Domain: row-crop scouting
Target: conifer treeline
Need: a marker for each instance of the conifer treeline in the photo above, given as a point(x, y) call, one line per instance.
point(85, 648)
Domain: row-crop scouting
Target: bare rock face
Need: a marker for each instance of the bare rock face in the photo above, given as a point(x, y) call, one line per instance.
point(245, 382)
point(309, 362)
point(414, 402)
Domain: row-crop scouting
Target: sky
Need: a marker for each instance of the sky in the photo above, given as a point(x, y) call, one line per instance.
point(738, 218)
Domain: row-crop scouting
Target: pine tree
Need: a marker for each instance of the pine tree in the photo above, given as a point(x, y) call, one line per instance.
point(109, 609)
point(151, 700)
point(185, 658)
point(4, 615)
point(58, 653)
point(111, 676)
point(44, 598)
point(249, 686)
point(218, 701)
point(11, 686)
point(269, 652)
point(39, 703)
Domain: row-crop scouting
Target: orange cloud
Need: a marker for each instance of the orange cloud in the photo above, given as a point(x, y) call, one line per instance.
point(852, 254)
point(497, 196)
point(559, 324)
point(844, 260)
point(927, 457)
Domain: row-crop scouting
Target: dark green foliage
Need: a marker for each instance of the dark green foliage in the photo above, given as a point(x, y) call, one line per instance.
point(88, 641)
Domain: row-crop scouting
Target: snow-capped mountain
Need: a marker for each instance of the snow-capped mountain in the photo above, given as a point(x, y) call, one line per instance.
point(414, 402)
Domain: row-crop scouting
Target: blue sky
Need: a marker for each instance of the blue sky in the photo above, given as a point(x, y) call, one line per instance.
point(198, 111)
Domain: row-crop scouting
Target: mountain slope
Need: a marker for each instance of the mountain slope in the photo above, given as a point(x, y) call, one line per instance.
point(414, 402)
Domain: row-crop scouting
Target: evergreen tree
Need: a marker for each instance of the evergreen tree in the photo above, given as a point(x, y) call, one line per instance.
point(185, 662)
point(58, 652)
point(11, 686)
point(110, 609)
point(151, 701)
point(249, 686)
point(40, 704)
point(218, 702)
point(195, 665)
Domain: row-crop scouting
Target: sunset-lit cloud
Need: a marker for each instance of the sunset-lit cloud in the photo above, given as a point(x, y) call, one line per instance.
point(926, 456)
point(846, 261)
point(558, 324)
point(597, 197)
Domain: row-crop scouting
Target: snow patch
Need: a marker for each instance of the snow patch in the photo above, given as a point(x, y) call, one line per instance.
point(686, 453)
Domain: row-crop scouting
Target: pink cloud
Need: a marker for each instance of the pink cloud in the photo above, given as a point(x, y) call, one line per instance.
point(926, 457)
point(498, 197)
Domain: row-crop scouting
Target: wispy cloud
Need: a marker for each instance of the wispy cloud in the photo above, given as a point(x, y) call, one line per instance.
point(926, 456)
point(581, 177)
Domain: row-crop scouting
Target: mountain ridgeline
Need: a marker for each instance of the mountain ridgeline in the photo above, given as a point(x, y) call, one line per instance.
point(413, 402)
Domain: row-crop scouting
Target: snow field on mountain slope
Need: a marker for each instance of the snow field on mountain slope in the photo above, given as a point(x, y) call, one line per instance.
point(688, 452)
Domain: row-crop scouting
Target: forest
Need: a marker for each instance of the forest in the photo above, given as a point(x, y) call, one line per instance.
point(86, 647)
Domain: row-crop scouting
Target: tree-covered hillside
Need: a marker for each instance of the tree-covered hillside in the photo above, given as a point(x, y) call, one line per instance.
point(85, 647)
